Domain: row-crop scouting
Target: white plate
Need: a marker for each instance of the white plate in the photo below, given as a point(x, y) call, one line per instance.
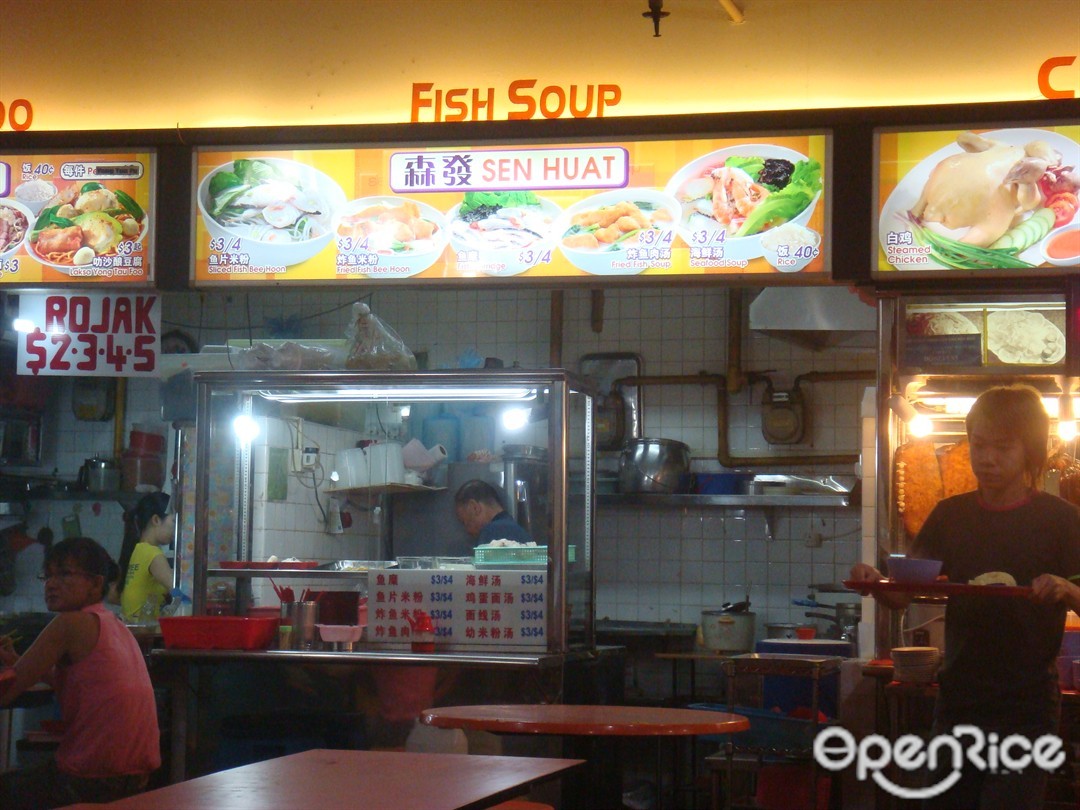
point(277, 254)
point(404, 264)
point(601, 262)
point(31, 250)
point(736, 248)
point(510, 261)
point(910, 187)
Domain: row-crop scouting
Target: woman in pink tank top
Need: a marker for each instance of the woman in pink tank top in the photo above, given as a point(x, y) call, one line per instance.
point(110, 743)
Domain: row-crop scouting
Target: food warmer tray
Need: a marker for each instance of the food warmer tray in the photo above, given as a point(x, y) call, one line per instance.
point(937, 588)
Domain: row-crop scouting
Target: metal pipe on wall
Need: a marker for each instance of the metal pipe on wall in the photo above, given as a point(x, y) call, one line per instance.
point(723, 452)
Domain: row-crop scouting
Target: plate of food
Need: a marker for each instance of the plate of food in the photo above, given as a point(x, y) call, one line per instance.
point(503, 232)
point(615, 233)
point(15, 221)
point(84, 222)
point(1024, 337)
point(391, 237)
point(281, 211)
point(732, 196)
point(984, 202)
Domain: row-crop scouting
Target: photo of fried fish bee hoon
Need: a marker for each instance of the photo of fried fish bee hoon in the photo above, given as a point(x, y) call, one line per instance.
point(994, 578)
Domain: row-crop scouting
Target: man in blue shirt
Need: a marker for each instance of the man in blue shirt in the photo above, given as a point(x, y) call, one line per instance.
point(480, 510)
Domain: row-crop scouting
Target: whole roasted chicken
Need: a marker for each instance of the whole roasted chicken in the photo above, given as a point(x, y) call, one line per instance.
point(987, 188)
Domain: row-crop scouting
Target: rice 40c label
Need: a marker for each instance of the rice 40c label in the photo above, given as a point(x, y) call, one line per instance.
point(101, 334)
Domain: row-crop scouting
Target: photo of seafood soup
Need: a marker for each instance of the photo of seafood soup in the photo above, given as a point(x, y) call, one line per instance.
point(731, 196)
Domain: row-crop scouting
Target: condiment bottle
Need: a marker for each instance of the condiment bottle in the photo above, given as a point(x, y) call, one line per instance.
point(423, 632)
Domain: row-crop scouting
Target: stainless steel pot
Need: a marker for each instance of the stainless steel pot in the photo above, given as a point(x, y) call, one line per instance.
point(99, 475)
point(654, 465)
point(727, 632)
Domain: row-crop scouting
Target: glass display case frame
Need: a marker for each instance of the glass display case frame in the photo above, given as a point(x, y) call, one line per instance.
point(557, 398)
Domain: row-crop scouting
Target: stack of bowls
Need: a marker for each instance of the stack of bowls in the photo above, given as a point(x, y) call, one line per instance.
point(915, 664)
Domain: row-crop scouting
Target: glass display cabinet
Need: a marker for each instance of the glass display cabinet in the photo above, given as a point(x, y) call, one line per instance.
point(311, 480)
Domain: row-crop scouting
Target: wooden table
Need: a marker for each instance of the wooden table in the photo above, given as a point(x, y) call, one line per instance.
point(346, 780)
point(601, 786)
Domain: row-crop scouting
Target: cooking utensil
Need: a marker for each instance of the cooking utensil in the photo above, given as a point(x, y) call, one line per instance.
point(654, 465)
point(727, 632)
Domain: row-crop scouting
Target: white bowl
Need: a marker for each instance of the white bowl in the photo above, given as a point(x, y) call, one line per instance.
point(377, 260)
point(790, 247)
point(313, 183)
point(13, 248)
point(349, 633)
point(605, 261)
point(35, 193)
point(508, 261)
point(1066, 261)
point(736, 248)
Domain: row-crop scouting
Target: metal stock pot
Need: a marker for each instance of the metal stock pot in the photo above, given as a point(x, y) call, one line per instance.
point(654, 465)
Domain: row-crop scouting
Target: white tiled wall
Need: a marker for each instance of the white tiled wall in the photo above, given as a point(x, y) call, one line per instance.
point(651, 564)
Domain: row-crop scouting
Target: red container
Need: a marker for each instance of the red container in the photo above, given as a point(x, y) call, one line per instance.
point(217, 632)
point(146, 442)
point(139, 470)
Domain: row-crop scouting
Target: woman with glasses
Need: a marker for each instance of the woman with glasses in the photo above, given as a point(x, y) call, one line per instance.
point(145, 574)
point(110, 742)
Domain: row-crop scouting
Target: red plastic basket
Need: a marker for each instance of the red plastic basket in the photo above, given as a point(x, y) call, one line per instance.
point(217, 632)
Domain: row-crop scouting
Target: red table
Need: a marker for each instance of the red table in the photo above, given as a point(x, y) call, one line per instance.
point(602, 786)
point(346, 780)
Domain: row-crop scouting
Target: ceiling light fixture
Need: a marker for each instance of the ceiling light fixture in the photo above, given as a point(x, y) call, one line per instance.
point(656, 11)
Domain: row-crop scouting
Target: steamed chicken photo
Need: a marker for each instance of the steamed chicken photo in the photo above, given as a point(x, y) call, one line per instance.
point(997, 198)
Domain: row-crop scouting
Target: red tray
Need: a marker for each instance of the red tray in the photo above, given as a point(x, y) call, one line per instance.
point(249, 565)
point(300, 565)
point(937, 588)
point(217, 632)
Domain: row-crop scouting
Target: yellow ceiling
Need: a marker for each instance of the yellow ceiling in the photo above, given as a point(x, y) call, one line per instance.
point(134, 64)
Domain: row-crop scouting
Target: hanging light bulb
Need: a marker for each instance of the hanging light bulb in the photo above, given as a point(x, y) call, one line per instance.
point(1066, 426)
point(918, 425)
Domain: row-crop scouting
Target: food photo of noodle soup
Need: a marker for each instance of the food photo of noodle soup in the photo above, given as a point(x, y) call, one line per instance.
point(617, 232)
point(281, 210)
point(84, 222)
point(392, 236)
point(15, 220)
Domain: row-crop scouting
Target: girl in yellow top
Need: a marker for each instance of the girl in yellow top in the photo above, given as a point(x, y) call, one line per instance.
point(145, 574)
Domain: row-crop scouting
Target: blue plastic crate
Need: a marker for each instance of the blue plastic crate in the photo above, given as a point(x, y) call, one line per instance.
point(769, 730)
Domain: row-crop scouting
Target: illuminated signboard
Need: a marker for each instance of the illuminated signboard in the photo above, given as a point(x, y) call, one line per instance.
point(689, 208)
point(76, 217)
point(996, 202)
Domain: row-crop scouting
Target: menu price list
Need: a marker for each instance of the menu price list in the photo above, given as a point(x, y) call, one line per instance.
point(468, 608)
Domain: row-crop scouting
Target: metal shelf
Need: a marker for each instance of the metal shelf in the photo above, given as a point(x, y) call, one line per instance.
point(735, 501)
point(284, 573)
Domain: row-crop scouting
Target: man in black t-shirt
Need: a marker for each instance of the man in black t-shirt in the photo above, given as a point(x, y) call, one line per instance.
point(999, 672)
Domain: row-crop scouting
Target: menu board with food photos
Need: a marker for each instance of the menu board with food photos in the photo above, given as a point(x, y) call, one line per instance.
point(978, 202)
point(696, 208)
point(975, 335)
point(76, 217)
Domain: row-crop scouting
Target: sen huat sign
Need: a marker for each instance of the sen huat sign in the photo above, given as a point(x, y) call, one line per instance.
point(89, 334)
